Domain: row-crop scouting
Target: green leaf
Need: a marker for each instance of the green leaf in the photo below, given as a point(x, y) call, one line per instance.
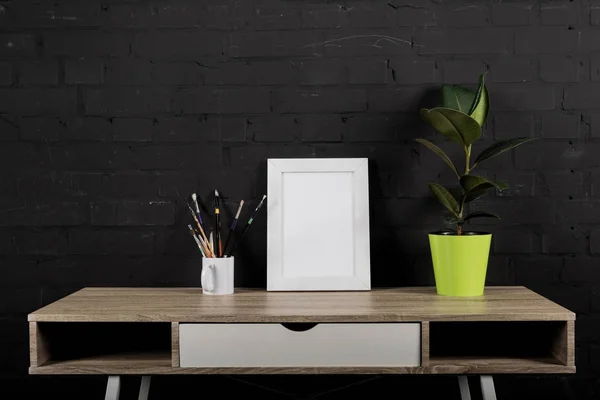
point(480, 214)
point(471, 182)
point(481, 104)
point(440, 153)
point(457, 98)
point(455, 125)
point(476, 194)
point(499, 148)
point(444, 197)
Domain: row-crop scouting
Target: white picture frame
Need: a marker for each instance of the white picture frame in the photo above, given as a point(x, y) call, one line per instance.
point(318, 224)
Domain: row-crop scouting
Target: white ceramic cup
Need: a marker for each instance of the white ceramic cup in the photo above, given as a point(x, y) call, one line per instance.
point(217, 275)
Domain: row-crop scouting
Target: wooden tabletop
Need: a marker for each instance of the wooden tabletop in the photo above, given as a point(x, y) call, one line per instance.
point(514, 303)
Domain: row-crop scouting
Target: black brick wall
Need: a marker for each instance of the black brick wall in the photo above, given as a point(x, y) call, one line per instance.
point(113, 111)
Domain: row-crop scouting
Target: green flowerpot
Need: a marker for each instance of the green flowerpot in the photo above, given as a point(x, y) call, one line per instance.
point(460, 262)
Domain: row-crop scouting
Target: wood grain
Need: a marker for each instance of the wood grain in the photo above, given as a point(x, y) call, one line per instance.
point(425, 343)
point(175, 344)
point(159, 364)
point(39, 352)
point(563, 347)
point(246, 305)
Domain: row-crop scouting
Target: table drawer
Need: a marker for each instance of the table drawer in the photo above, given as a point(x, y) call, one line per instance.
point(322, 345)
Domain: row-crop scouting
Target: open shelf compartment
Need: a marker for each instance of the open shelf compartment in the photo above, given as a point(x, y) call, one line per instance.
point(81, 346)
point(507, 346)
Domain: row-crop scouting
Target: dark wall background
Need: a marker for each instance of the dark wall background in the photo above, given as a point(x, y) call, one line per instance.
point(113, 112)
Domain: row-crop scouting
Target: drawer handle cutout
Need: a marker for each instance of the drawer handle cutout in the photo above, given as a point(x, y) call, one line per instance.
point(299, 326)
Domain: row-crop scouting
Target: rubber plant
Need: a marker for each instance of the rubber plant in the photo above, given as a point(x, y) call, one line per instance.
point(460, 119)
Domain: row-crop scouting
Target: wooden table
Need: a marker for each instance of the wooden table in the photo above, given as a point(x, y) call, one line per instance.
point(153, 331)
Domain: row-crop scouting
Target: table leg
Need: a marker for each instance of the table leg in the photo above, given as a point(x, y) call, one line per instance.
point(144, 388)
point(487, 387)
point(463, 384)
point(113, 388)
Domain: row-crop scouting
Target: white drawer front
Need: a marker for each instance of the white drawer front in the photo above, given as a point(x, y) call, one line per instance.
point(273, 345)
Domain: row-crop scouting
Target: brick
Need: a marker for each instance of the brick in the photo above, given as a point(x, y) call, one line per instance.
point(86, 44)
point(48, 214)
point(511, 14)
point(365, 128)
point(44, 129)
point(64, 14)
point(274, 128)
point(511, 70)
point(133, 129)
point(185, 129)
point(148, 16)
point(564, 241)
point(325, 16)
point(275, 44)
point(17, 45)
point(371, 16)
point(117, 185)
point(595, 183)
point(595, 242)
point(589, 40)
point(595, 125)
point(84, 71)
point(513, 125)
point(368, 71)
point(47, 101)
point(472, 15)
point(39, 73)
point(230, 129)
point(90, 129)
point(377, 43)
point(537, 269)
point(6, 74)
point(274, 73)
point(138, 72)
point(196, 101)
point(520, 211)
point(268, 17)
point(132, 213)
point(578, 211)
point(542, 40)
point(580, 269)
point(560, 69)
point(322, 128)
point(53, 184)
point(465, 41)
point(244, 101)
point(8, 130)
point(228, 73)
point(559, 184)
point(87, 241)
point(595, 14)
point(395, 100)
point(595, 68)
point(24, 156)
point(224, 17)
point(462, 71)
point(559, 13)
point(321, 72)
point(516, 241)
point(179, 45)
point(416, 17)
point(560, 126)
point(96, 156)
point(319, 100)
point(582, 96)
point(127, 101)
point(556, 156)
point(520, 184)
point(524, 98)
point(39, 242)
point(408, 72)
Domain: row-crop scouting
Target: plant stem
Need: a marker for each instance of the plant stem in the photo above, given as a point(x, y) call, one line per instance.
point(467, 159)
point(459, 230)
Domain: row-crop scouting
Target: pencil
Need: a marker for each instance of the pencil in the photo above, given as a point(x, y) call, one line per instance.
point(232, 227)
point(249, 223)
point(218, 242)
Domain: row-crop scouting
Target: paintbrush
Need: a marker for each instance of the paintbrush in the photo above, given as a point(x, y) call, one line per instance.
point(208, 252)
point(196, 240)
point(233, 226)
point(218, 242)
point(195, 201)
point(249, 223)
